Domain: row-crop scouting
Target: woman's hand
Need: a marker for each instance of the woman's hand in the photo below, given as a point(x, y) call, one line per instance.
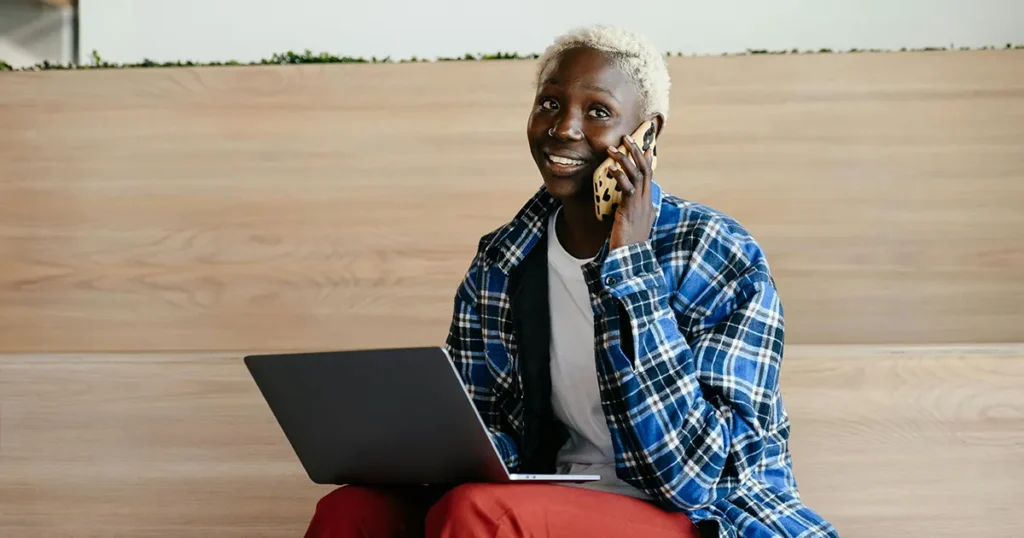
point(635, 216)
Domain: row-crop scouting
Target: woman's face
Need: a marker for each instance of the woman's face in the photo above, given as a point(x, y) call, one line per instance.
point(584, 104)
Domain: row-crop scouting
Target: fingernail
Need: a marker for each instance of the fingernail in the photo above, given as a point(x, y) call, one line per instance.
point(629, 139)
point(613, 149)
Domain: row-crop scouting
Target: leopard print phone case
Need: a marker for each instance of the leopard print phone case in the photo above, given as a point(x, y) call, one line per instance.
point(607, 193)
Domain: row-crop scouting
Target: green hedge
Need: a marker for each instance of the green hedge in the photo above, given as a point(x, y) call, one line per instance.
point(286, 58)
point(308, 57)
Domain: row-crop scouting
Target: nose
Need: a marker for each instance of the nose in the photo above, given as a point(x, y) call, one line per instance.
point(566, 128)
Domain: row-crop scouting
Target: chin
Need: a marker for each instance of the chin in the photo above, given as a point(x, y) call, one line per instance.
point(564, 188)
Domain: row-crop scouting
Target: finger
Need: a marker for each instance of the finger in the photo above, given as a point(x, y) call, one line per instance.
point(623, 182)
point(627, 166)
point(642, 163)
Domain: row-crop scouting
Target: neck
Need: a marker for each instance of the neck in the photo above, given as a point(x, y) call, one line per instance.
point(579, 231)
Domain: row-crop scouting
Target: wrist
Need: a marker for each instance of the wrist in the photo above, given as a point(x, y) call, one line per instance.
point(615, 244)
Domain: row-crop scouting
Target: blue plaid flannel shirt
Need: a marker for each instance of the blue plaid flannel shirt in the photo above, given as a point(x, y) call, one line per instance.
point(696, 418)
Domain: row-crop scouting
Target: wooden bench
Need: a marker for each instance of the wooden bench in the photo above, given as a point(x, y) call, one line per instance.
point(904, 441)
point(157, 225)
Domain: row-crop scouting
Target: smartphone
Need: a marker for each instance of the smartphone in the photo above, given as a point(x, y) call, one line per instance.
point(607, 193)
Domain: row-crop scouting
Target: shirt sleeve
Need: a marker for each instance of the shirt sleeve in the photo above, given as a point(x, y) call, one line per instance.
point(465, 345)
point(684, 442)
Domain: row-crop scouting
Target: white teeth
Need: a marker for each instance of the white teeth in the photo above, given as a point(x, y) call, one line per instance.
point(563, 160)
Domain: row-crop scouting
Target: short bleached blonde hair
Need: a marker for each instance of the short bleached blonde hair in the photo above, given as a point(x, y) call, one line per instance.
point(632, 53)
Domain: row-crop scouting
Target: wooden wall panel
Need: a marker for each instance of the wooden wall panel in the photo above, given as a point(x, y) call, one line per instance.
point(886, 442)
point(143, 446)
point(338, 206)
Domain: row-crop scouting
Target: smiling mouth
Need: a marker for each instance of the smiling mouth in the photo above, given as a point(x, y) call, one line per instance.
point(564, 166)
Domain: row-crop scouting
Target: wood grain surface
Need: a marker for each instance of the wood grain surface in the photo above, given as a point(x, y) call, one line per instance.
point(338, 206)
point(886, 441)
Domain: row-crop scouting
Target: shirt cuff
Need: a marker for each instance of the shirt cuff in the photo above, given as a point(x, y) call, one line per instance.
point(505, 449)
point(630, 270)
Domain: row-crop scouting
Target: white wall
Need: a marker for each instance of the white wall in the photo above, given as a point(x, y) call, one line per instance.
point(245, 30)
point(31, 32)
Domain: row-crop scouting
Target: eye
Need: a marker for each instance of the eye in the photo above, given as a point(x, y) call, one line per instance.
point(599, 112)
point(548, 104)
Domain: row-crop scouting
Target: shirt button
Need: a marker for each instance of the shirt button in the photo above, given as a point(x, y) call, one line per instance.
point(610, 281)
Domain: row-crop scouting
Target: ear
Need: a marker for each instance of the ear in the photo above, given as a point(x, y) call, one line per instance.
point(659, 122)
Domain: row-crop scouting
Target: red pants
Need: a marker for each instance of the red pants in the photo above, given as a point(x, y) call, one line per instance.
point(491, 511)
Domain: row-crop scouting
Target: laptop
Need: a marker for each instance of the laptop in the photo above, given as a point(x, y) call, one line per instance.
point(383, 417)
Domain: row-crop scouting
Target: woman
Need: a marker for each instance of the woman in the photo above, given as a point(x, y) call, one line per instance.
point(645, 348)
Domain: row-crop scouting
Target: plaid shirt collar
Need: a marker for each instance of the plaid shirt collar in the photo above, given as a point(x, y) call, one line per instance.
point(513, 241)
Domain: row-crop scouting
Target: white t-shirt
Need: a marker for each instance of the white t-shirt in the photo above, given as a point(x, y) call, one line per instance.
point(575, 396)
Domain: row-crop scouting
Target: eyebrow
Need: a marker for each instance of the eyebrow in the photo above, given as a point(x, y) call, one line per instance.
point(591, 87)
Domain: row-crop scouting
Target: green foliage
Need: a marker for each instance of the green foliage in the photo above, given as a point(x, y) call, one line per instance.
point(495, 56)
point(278, 58)
point(308, 57)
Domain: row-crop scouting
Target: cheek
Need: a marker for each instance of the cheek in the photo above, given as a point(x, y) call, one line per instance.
point(536, 127)
point(601, 138)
